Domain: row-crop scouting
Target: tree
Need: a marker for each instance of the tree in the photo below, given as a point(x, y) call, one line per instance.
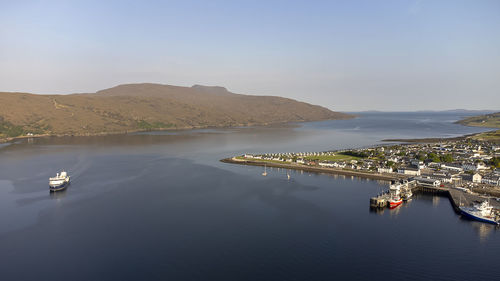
point(447, 158)
point(421, 156)
point(434, 157)
point(495, 162)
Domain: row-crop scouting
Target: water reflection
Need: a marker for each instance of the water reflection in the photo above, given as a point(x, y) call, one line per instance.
point(483, 229)
point(58, 194)
point(435, 201)
point(377, 210)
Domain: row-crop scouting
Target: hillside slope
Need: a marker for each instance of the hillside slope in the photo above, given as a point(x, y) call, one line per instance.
point(489, 120)
point(135, 107)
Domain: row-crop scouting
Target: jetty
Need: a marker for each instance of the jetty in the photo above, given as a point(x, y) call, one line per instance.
point(458, 196)
point(407, 185)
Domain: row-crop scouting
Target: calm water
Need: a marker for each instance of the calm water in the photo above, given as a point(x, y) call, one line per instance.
point(160, 206)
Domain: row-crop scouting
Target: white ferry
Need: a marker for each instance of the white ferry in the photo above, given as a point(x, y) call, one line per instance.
point(59, 182)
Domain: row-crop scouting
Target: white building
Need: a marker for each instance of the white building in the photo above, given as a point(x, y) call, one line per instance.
point(409, 171)
point(428, 182)
point(476, 178)
point(384, 170)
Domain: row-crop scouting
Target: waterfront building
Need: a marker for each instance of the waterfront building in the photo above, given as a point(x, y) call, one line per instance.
point(409, 171)
point(384, 170)
point(427, 182)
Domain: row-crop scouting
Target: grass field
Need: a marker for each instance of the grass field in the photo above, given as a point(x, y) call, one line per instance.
point(488, 136)
point(488, 120)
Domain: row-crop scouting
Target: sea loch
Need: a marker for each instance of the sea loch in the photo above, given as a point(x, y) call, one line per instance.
point(160, 205)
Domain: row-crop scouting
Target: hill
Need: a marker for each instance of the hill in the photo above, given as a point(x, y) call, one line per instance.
point(135, 107)
point(489, 120)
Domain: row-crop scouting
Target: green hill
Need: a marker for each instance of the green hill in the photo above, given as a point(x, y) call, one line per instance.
point(489, 120)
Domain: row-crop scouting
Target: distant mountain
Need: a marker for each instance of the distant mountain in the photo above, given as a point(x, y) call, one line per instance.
point(489, 120)
point(456, 111)
point(135, 107)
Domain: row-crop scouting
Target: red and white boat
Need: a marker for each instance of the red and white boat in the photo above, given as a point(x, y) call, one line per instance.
point(394, 202)
point(395, 193)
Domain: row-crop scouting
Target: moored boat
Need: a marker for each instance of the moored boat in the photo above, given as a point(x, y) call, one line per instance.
point(59, 182)
point(481, 212)
point(407, 195)
point(394, 202)
point(395, 196)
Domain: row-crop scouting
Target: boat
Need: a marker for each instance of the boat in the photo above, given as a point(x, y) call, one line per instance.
point(288, 175)
point(482, 212)
point(59, 182)
point(265, 171)
point(394, 202)
point(407, 195)
point(395, 195)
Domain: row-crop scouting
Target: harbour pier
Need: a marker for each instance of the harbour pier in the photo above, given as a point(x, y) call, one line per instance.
point(459, 197)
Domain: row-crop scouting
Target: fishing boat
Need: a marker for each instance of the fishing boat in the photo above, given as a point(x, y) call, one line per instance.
point(481, 212)
point(265, 171)
point(395, 195)
point(59, 182)
point(394, 202)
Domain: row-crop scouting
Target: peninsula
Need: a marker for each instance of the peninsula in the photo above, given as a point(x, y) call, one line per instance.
point(470, 163)
point(489, 120)
point(141, 107)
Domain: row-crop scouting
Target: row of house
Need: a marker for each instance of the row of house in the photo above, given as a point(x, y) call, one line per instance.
point(468, 163)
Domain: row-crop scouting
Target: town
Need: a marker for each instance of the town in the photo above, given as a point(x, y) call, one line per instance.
point(466, 170)
point(467, 163)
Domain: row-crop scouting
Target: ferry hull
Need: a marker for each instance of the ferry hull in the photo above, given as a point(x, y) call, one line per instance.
point(58, 187)
point(477, 218)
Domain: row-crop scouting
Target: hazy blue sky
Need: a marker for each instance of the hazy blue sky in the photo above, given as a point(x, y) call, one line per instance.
point(346, 55)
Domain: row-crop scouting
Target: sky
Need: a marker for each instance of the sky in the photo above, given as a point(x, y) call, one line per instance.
point(345, 55)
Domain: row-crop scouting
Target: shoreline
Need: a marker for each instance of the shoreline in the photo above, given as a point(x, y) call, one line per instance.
point(187, 128)
point(263, 125)
point(434, 140)
point(313, 169)
point(478, 191)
